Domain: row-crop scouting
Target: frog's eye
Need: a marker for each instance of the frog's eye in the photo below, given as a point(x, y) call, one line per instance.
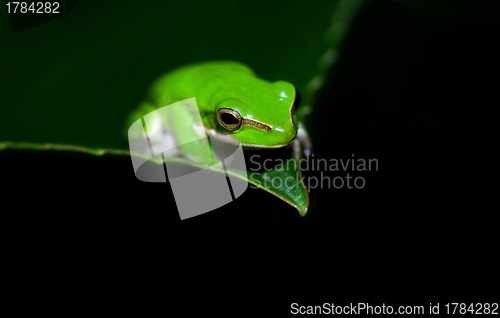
point(229, 119)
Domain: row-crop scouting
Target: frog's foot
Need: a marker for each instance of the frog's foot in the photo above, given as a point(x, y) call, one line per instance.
point(165, 140)
point(301, 146)
point(161, 140)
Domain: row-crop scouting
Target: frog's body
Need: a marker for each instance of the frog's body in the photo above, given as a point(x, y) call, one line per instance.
point(233, 103)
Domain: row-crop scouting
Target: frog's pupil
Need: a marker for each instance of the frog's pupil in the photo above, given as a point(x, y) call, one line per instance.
point(229, 119)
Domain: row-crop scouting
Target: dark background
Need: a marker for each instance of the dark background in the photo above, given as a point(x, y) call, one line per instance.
point(415, 86)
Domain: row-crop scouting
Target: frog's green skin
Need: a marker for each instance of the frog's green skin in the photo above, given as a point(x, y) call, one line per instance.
point(266, 107)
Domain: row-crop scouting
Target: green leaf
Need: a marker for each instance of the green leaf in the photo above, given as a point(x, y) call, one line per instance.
point(293, 191)
point(79, 90)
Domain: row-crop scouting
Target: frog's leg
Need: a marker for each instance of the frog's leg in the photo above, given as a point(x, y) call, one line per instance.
point(302, 143)
point(172, 128)
point(159, 132)
point(190, 134)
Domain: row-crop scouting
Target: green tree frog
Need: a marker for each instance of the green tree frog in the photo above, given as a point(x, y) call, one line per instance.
point(233, 103)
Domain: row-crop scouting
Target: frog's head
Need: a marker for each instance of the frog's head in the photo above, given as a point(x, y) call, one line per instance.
point(261, 116)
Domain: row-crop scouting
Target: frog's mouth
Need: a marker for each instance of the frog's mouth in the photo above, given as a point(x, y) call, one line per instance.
point(227, 138)
point(256, 147)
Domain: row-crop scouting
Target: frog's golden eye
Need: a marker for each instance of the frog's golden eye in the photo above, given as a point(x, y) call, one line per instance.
point(229, 119)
